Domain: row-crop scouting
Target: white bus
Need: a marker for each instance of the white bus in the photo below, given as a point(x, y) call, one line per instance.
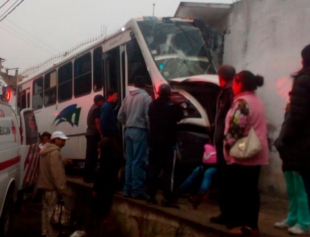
point(162, 50)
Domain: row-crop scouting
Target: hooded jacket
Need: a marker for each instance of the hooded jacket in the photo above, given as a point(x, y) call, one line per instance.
point(134, 110)
point(52, 175)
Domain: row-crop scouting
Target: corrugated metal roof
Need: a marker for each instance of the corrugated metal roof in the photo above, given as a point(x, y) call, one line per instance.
point(212, 14)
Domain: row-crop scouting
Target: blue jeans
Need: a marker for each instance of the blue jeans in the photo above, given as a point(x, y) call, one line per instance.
point(136, 159)
point(206, 181)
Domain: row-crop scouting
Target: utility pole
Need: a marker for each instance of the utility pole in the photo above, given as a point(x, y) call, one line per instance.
point(1, 61)
point(153, 10)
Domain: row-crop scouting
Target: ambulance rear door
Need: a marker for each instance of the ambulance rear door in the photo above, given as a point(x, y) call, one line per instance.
point(29, 149)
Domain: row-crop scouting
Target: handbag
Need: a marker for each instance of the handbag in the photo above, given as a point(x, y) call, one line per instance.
point(246, 147)
point(61, 216)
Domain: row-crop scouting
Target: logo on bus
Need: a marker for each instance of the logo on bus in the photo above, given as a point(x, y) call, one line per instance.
point(70, 114)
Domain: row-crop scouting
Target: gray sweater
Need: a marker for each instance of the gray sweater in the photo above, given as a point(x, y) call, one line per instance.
point(134, 110)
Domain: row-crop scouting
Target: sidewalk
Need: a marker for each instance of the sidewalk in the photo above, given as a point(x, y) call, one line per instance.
point(272, 210)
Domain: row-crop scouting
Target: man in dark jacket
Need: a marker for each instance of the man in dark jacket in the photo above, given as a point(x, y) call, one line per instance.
point(163, 115)
point(93, 134)
point(226, 74)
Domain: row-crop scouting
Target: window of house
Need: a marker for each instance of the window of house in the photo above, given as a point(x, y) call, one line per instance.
point(82, 75)
point(50, 80)
point(37, 98)
point(98, 72)
point(65, 82)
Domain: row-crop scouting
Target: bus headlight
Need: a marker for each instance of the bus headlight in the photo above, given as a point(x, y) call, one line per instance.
point(189, 110)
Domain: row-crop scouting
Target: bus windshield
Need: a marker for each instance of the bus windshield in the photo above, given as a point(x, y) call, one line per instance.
point(178, 48)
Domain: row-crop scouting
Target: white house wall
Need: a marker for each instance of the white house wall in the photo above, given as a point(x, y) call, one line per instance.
point(266, 37)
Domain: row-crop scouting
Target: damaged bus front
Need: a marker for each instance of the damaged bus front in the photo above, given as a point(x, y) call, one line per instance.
point(182, 50)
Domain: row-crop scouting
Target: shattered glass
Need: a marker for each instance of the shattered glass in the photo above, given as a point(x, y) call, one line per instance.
point(178, 48)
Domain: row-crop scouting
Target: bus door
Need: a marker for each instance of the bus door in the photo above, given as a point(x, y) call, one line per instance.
point(29, 149)
point(114, 76)
point(111, 61)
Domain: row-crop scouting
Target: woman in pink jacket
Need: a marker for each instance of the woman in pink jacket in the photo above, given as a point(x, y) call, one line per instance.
point(246, 112)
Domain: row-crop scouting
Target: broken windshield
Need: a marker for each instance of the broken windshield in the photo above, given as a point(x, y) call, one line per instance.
point(178, 48)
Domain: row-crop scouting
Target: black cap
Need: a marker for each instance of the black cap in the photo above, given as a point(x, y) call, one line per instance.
point(305, 53)
point(164, 90)
point(98, 98)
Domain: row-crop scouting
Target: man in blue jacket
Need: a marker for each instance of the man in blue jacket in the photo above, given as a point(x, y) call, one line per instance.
point(108, 119)
point(133, 115)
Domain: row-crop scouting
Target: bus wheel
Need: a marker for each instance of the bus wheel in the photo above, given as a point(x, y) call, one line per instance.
point(6, 215)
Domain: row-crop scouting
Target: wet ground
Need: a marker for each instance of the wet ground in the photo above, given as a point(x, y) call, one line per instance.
point(27, 223)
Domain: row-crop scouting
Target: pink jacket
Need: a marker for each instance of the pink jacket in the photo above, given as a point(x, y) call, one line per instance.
point(256, 119)
point(209, 155)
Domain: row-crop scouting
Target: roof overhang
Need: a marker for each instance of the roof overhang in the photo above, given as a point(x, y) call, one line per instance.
point(212, 14)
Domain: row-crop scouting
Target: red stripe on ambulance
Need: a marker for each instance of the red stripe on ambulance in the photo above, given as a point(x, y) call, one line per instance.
point(8, 163)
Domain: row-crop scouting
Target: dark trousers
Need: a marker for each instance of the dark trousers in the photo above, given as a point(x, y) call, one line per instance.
point(221, 173)
point(91, 155)
point(242, 195)
point(161, 159)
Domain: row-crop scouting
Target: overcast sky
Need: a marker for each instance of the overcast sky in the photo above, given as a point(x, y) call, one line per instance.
point(39, 29)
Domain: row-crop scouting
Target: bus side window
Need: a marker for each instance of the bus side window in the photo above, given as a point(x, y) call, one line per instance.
point(137, 66)
point(82, 75)
point(37, 98)
point(50, 88)
point(65, 82)
point(98, 72)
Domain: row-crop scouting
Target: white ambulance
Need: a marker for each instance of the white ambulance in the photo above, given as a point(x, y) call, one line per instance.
point(19, 155)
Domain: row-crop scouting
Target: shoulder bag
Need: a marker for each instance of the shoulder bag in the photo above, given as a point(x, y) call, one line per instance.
point(61, 216)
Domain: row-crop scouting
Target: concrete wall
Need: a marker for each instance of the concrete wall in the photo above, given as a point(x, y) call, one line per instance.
point(266, 37)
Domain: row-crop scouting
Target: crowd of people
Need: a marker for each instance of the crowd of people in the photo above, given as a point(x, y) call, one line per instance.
point(236, 154)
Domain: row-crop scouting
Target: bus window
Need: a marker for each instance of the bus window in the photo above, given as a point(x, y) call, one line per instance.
point(50, 88)
point(82, 75)
point(37, 98)
point(98, 79)
point(65, 82)
point(136, 64)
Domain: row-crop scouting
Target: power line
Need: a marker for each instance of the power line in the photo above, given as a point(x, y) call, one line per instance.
point(11, 11)
point(4, 4)
point(26, 40)
point(35, 38)
point(9, 8)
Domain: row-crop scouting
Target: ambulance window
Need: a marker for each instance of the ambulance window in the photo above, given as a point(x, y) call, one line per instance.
point(37, 98)
point(65, 82)
point(50, 88)
point(98, 72)
point(82, 75)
